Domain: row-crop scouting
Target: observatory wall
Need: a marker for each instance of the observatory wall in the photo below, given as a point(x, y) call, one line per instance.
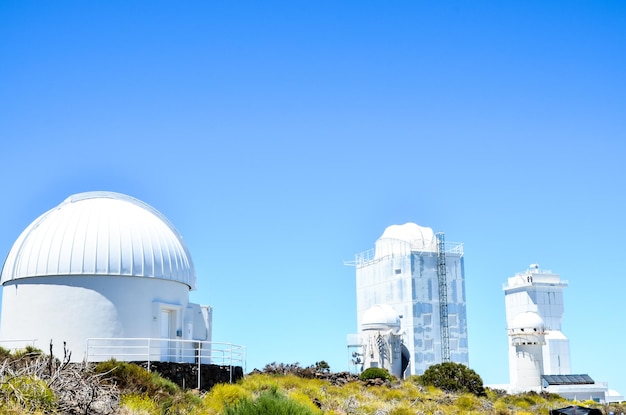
point(73, 308)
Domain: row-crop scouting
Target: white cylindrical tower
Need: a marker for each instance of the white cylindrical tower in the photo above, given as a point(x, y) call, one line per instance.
point(382, 339)
point(527, 336)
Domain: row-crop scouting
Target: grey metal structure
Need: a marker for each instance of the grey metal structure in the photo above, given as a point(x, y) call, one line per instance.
point(443, 297)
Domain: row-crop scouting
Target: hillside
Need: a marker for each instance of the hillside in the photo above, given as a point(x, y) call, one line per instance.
point(32, 383)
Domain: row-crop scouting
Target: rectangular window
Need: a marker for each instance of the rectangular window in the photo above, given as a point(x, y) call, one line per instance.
point(428, 344)
point(428, 319)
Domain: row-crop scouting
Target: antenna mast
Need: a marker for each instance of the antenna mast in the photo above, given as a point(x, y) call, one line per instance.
point(443, 297)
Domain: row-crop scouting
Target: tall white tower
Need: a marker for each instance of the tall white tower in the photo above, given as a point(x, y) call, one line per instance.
point(534, 301)
point(527, 337)
point(402, 272)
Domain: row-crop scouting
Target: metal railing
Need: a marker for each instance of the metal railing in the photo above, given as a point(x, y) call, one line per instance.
point(166, 350)
point(17, 344)
point(369, 257)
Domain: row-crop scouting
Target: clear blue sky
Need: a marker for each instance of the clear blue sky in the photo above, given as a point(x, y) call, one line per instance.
point(281, 138)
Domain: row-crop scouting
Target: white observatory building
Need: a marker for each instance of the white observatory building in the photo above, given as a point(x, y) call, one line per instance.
point(421, 278)
point(381, 340)
point(534, 307)
point(539, 355)
point(100, 265)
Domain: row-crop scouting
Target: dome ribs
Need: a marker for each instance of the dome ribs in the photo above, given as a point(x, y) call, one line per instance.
point(101, 233)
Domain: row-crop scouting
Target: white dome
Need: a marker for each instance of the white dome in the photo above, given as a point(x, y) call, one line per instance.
point(101, 233)
point(527, 320)
point(402, 239)
point(380, 317)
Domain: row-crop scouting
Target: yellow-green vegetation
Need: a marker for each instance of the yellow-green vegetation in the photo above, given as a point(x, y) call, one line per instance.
point(290, 394)
point(133, 403)
point(132, 378)
point(27, 393)
point(280, 392)
point(223, 395)
point(271, 401)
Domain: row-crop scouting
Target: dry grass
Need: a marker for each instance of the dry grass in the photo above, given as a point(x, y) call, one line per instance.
point(31, 386)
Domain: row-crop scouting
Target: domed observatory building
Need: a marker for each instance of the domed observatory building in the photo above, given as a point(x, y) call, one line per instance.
point(108, 276)
point(422, 278)
point(381, 337)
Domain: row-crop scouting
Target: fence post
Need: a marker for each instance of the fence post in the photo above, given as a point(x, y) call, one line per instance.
point(199, 353)
point(230, 364)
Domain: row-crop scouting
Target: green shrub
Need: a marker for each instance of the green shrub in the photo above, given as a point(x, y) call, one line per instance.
point(183, 403)
point(29, 353)
point(467, 402)
point(161, 385)
point(28, 393)
point(375, 373)
point(4, 354)
point(402, 410)
point(453, 377)
point(525, 400)
point(322, 366)
point(269, 402)
point(304, 399)
point(501, 408)
point(140, 404)
point(291, 369)
point(224, 394)
point(132, 378)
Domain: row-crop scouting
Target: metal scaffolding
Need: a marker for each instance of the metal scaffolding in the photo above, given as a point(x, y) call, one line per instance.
point(443, 297)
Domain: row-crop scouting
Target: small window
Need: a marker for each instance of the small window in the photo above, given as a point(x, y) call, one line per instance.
point(397, 271)
point(454, 344)
point(428, 344)
point(428, 319)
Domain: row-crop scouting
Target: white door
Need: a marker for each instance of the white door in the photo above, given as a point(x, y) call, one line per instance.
point(166, 333)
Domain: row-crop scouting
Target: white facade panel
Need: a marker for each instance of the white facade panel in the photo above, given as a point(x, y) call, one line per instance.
point(556, 354)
